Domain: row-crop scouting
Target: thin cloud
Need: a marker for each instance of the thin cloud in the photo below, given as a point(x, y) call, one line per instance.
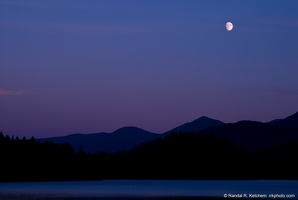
point(5, 92)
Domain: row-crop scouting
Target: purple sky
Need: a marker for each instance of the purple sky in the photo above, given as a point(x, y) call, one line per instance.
point(69, 66)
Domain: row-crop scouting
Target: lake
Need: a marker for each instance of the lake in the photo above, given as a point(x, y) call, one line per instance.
point(148, 189)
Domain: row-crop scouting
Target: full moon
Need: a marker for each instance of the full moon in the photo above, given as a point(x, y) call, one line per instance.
point(229, 26)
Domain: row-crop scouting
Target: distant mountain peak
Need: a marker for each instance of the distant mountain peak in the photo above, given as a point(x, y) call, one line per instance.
point(129, 129)
point(197, 125)
point(122, 139)
point(204, 118)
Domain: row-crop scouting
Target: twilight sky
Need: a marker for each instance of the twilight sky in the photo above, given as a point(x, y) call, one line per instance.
point(77, 66)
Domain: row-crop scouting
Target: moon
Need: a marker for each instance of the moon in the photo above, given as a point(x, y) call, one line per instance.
point(229, 26)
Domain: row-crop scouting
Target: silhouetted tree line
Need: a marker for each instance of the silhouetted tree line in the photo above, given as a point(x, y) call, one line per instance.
point(177, 156)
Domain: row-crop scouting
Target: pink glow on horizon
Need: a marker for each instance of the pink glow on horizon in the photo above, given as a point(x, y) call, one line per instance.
point(5, 92)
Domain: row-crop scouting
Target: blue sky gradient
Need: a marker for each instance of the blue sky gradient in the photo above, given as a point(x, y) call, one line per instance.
point(91, 66)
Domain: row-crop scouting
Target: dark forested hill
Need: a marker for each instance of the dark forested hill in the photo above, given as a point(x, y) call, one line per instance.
point(253, 136)
point(176, 156)
point(256, 136)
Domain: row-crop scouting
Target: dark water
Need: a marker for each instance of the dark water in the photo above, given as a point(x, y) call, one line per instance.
point(148, 189)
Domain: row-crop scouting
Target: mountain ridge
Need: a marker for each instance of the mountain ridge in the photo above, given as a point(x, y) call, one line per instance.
point(250, 135)
point(196, 125)
point(122, 139)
